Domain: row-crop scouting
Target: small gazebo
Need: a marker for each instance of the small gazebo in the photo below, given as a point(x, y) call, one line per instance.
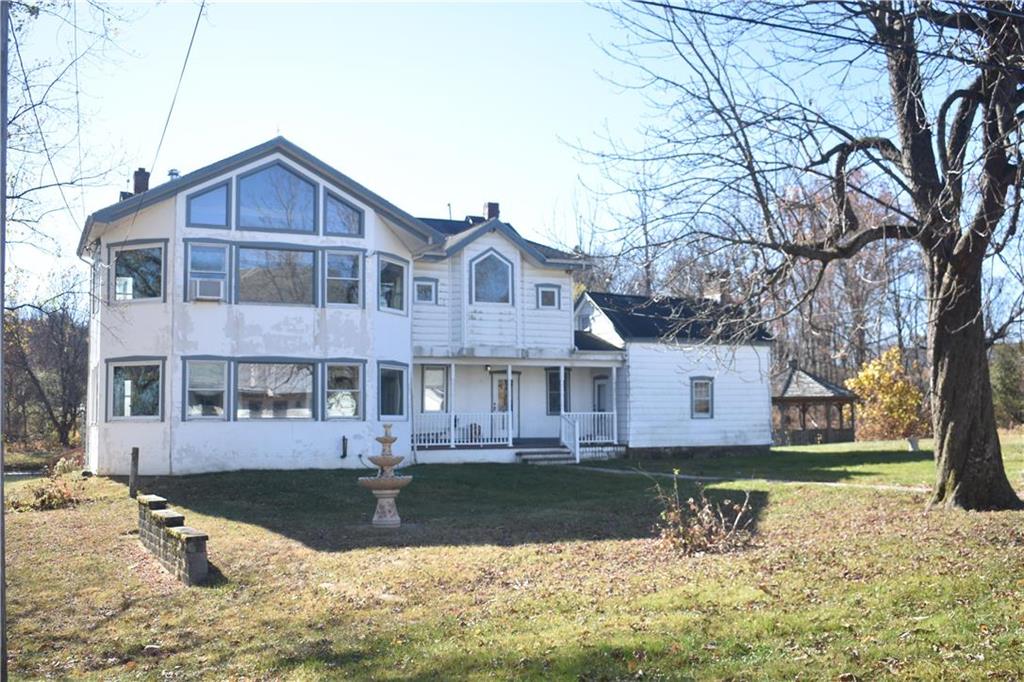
point(814, 401)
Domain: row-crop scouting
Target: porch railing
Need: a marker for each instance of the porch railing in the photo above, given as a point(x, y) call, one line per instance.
point(594, 427)
point(569, 435)
point(460, 428)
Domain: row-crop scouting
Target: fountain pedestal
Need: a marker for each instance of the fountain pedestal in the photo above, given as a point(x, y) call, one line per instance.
point(385, 486)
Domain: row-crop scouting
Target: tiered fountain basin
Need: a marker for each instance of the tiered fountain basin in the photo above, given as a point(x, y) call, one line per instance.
point(385, 485)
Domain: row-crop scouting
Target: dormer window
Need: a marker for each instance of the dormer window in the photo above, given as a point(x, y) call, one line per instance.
point(276, 198)
point(491, 279)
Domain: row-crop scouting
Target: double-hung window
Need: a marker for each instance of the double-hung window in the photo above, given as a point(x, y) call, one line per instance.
point(135, 390)
point(391, 392)
point(206, 389)
point(138, 272)
point(344, 391)
point(207, 271)
point(554, 390)
point(274, 390)
point(344, 277)
point(391, 285)
point(276, 276)
point(435, 389)
point(702, 398)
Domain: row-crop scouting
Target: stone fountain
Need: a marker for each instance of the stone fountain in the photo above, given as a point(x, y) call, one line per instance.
point(385, 485)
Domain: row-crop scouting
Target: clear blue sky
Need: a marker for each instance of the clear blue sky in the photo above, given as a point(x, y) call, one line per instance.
point(425, 104)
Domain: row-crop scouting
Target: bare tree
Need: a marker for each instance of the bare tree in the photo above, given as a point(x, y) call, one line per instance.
point(760, 101)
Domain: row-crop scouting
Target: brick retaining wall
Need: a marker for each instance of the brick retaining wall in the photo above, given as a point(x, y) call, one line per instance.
point(181, 550)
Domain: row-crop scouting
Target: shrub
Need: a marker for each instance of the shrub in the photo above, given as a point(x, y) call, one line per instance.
point(1007, 366)
point(64, 487)
point(699, 526)
point(891, 404)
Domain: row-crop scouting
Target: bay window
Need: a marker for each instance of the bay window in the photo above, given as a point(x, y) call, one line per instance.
point(276, 276)
point(274, 390)
point(343, 391)
point(391, 285)
point(391, 392)
point(343, 274)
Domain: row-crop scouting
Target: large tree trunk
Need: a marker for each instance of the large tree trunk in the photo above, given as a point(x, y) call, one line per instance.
point(969, 462)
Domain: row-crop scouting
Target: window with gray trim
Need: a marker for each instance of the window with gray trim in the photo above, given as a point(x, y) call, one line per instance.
point(276, 276)
point(426, 290)
point(341, 218)
point(344, 391)
point(391, 285)
point(391, 391)
point(548, 296)
point(207, 262)
point(344, 277)
point(208, 208)
point(276, 198)
point(492, 280)
point(702, 398)
point(135, 390)
point(206, 383)
point(274, 390)
point(138, 272)
point(435, 389)
point(554, 390)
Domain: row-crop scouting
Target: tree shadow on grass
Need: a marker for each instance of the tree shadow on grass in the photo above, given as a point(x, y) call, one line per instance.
point(474, 504)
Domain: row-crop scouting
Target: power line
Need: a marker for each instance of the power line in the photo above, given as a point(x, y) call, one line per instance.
point(78, 108)
point(822, 34)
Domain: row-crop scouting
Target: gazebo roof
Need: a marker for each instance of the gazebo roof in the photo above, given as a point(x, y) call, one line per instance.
point(796, 384)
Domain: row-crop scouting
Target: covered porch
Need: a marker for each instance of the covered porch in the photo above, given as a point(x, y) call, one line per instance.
point(494, 403)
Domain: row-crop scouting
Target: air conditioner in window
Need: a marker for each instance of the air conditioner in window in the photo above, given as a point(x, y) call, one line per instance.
point(207, 289)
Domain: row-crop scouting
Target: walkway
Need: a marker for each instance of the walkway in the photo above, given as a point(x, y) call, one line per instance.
point(690, 477)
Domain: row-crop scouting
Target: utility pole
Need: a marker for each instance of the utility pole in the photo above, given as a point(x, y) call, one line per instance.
point(4, 23)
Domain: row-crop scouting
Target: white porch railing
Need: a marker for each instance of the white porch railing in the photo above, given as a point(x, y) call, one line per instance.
point(594, 427)
point(569, 435)
point(460, 428)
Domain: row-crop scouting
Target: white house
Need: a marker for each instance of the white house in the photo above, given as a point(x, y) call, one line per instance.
point(267, 311)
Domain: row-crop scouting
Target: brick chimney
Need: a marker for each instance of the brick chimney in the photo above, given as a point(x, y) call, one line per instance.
point(141, 178)
point(491, 210)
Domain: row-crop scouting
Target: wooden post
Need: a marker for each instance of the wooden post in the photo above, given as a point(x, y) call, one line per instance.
point(451, 405)
point(615, 405)
point(508, 400)
point(133, 474)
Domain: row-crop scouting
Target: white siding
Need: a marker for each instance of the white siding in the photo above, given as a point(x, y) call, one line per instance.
point(431, 322)
point(659, 395)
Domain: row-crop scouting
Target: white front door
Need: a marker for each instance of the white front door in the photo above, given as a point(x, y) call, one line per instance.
point(500, 397)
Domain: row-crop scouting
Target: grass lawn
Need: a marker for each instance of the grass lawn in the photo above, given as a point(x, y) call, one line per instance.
point(509, 571)
point(16, 459)
point(877, 462)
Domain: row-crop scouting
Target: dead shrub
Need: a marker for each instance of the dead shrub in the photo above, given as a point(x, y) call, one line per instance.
point(63, 487)
point(700, 526)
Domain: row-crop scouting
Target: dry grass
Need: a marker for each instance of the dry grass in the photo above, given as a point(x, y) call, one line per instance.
point(516, 572)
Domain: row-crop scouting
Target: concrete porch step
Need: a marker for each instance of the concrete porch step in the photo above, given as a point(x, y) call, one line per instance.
point(553, 456)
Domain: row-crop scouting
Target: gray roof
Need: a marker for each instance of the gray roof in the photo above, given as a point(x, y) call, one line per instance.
point(589, 341)
point(798, 384)
point(462, 233)
point(280, 145)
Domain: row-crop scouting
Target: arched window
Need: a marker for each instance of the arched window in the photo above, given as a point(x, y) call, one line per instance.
point(492, 279)
point(276, 198)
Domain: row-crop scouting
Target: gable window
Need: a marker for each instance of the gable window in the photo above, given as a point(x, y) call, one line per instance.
point(341, 217)
point(492, 279)
point(135, 390)
point(208, 208)
point(391, 392)
point(435, 389)
point(426, 290)
point(549, 296)
point(344, 278)
point(344, 391)
point(207, 271)
point(702, 398)
point(391, 285)
point(275, 390)
point(276, 276)
point(138, 273)
point(554, 390)
point(276, 198)
point(207, 383)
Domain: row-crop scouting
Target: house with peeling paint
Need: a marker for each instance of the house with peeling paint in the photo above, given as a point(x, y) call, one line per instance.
point(268, 311)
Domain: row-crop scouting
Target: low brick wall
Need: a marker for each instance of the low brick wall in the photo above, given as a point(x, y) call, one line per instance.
point(181, 550)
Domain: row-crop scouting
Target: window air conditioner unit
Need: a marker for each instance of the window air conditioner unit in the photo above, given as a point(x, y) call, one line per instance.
point(207, 290)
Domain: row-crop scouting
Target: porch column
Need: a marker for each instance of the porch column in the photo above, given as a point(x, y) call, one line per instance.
point(561, 389)
point(508, 400)
point(450, 404)
point(615, 405)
